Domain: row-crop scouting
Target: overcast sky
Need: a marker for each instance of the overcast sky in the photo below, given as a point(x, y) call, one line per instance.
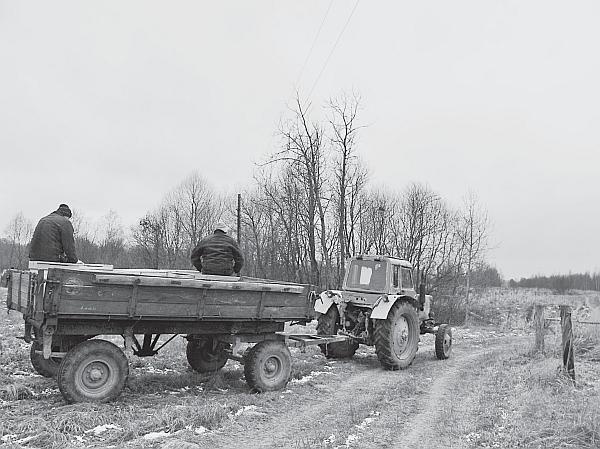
point(109, 105)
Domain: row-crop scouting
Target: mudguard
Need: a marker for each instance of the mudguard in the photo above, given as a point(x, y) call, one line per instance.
point(326, 299)
point(382, 306)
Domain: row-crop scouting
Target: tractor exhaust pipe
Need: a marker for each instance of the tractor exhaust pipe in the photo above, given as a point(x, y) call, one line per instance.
point(422, 291)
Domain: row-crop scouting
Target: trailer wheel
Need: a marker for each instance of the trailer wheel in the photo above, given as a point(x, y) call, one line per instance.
point(45, 367)
point(93, 371)
point(443, 342)
point(328, 324)
point(268, 366)
point(49, 367)
point(203, 356)
point(397, 337)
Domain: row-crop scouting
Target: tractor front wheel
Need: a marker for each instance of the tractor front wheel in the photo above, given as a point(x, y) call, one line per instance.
point(443, 342)
point(397, 337)
point(329, 324)
point(268, 366)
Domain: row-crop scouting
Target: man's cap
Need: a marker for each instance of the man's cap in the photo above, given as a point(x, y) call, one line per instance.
point(64, 210)
point(221, 227)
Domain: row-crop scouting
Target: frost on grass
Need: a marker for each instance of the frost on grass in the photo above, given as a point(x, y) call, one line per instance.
point(309, 377)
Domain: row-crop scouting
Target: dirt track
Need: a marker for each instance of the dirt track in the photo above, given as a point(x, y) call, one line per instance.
point(367, 408)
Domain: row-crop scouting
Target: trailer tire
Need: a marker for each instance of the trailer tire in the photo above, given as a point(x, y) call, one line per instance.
point(397, 337)
point(49, 367)
point(45, 367)
point(93, 371)
point(268, 366)
point(329, 324)
point(204, 357)
point(443, 342)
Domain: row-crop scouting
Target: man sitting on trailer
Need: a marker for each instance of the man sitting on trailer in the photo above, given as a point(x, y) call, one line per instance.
point(218, 254)
point(53, 238)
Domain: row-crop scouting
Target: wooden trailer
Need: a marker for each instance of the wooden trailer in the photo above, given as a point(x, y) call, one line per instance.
point(66, 307)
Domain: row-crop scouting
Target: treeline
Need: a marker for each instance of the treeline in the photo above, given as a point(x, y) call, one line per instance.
point(561, 283)
point(310, 207)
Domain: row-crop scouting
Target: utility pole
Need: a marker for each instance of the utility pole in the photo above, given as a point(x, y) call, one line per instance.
point(239, 219)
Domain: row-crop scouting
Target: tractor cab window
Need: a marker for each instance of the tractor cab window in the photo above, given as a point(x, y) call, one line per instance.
point(367, 275)
point(407, 282)
point(396, 276)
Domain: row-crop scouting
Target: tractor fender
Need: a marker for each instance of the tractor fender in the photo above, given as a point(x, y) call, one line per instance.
point(384, 303)
point(326, 299)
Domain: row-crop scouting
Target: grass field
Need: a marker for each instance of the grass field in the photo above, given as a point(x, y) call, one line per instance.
point(493, 392)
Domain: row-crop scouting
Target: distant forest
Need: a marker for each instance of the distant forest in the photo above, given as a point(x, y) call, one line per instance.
point(561, 283)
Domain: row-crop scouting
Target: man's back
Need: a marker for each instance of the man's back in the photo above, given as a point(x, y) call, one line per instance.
point(217, 254)
point(53, 240)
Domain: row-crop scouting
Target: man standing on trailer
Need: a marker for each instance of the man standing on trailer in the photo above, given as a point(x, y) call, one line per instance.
point(218, 254)
point(52, 239)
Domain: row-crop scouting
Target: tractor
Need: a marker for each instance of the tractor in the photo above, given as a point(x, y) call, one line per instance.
point(379, 306)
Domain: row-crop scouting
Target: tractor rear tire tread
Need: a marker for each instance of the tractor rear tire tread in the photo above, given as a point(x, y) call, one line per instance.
point(384, 339)
point(328, 324)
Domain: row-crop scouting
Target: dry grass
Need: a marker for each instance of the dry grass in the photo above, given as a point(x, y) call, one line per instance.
point(509, 398)
point(515, 400)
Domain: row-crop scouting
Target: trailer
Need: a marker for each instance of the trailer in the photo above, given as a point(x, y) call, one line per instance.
point(67, 307)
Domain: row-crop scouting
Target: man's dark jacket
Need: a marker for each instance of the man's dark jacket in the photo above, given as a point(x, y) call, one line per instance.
point(218, 254)
point(53, 240)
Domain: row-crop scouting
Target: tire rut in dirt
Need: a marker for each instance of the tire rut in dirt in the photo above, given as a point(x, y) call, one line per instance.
point(419, 429)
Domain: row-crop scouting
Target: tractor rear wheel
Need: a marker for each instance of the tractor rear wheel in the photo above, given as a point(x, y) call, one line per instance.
point(268, 366)
point(329, 324)
point(397, 337)
point(206, 355)
point(443, 342)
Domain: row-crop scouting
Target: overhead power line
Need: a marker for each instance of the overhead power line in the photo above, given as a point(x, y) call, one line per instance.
point(314, 42)
point(333, 49)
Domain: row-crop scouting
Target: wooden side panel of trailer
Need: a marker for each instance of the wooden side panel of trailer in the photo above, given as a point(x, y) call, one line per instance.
point(87, 294)
point(20, 290)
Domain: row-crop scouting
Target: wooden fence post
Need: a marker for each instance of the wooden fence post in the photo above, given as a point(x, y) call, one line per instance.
point(539, 324)
point(567, 341)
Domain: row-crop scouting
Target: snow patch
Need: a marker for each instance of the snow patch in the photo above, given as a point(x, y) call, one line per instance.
point(9, 437)
point(155, 435)
point(353, 438)
point(247, 410)
point(103, 428)
point(309, 377)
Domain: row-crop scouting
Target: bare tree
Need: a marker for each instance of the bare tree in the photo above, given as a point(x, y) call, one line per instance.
point(303, 151)
point(19, 232)
point(473, 233)
point(348, 171)
point(196, 206)
point(112, 243)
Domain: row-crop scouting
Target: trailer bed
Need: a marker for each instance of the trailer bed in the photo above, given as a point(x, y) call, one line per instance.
point(141, 295)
